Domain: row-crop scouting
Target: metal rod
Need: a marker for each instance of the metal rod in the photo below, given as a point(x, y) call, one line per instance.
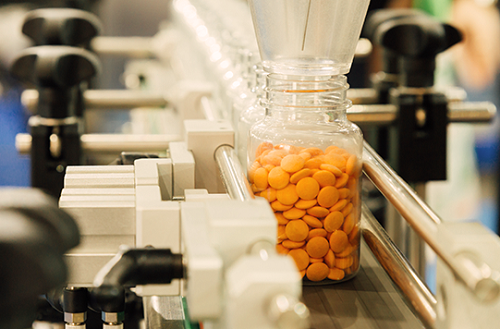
point(138, 47)
point(398, 268)
point(232, 174)
point(106, 99)
point(425, 222)
point(111, 143)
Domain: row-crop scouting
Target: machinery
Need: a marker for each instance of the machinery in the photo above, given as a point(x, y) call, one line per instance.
point(174, 220)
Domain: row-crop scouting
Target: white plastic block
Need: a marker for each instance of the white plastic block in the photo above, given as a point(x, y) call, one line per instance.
point(98, 191)
point(183, 168)
point(202, 138)
point(99, 180)
point(100, 169)
point(84, 267)
point(203, 289)
point(201, 195)
point(103, 218)
point(66, 200)
point(156, 172)
point(250, 285)
point(157, 221)
point(102, 243)
point(235, 225)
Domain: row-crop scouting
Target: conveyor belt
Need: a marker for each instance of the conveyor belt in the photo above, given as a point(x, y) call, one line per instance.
point(370, 300)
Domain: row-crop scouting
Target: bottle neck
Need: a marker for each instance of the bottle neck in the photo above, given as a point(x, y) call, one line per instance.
point(307, 98)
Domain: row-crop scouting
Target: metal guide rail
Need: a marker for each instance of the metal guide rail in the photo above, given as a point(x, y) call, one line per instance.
point(474, 274)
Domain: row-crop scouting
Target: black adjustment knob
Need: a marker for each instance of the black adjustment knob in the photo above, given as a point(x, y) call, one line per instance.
point(373, 23)
point(57, 72)
point(61, 26)
point(34, 235)
point(416, 40)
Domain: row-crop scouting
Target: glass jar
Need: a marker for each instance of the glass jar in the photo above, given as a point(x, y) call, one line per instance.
point(304, 158)
point(251, 114)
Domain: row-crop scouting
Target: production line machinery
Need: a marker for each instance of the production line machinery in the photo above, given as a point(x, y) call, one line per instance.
point(232, 277)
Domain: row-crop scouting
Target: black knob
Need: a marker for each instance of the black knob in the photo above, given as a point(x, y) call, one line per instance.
point(57, 71)
point(375, 21)
point(34, 235)
point(61, 26)
point(416, 40)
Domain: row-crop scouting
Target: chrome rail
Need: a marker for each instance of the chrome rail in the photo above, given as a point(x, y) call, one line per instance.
point(482, 284)
point(233, 177)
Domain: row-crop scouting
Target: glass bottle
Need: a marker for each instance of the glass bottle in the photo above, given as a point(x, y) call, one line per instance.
point(304, 158)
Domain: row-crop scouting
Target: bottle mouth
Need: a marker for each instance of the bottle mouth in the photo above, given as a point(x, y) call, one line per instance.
point(306, 67)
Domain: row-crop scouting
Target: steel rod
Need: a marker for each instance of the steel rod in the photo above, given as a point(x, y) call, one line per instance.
point(233, 177)
point(425, 223)
point(397, 267)
point(106, 99)
point(138, 47)
point(111, 143)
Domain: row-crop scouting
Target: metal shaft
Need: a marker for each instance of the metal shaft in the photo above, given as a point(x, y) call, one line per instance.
point(398, 268)
point(424, 221)
point(232, 174)
point(111, 143)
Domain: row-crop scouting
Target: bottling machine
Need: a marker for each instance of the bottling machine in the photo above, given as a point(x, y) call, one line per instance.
point(171, 234)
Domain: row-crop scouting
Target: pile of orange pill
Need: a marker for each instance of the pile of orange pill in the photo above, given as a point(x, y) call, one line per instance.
point(314, 195)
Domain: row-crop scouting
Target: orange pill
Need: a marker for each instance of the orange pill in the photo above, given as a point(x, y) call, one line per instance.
point(269, 159)
point(333, 221)
point(282, 250)
point(262, 147)
point(312, 221)
point(278, 178)
point(352, 185)
point(350, 167)
point(343, 263)
point(294, 179)
point(300, 257)
point(268, 167)
point(305, 155)
point(294, 213)
point(332, 148)
point(348, 224)
point(292, 163)
point(314, 151)
point(315, 260)
point(260, 178)
point(316, 232)
point(353, 236)
point(251, 171)
point(307, 188)
point(347, 251)
point(279, 153)
point(297, 230)
point(314, 163)
point(328, 196)
point(347, 209)
point(269, 194)
point(287, 195)
point(338, 240)
point(305, 204)
point(344, 193)
point(336, 274)
point(324, 178)
point(330, 258)
point(280, 218)
point(317, 271)
point(335, 160)
point(319, 212)
point(278, 206)
point(331, 168)
point(255, 189)
point(292, 244)
point(342, 181)
point(317, 247)
point(339, 205)
point(281, 233)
